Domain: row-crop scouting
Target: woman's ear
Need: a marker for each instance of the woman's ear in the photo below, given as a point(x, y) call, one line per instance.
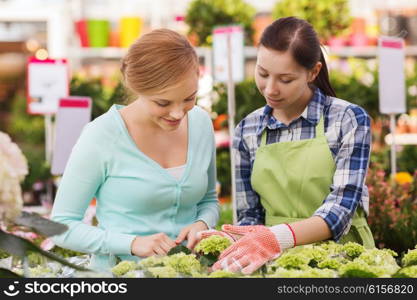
point(314, 72)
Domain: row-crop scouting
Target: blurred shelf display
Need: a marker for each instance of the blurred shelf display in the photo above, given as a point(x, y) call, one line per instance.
point(402, 139)
point(365, 52)
point(249, 52)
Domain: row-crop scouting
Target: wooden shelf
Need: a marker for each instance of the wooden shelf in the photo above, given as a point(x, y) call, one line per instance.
point(402, 139)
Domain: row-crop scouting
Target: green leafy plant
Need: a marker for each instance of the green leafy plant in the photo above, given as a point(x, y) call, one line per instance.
point(248, 99)
point(310, 261)
point(203, 15)
point(393, 211)
point(102, 97)
point(336, 21)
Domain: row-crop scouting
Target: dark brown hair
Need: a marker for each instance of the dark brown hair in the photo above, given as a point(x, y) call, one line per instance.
point(158, 60)
point(300, 38)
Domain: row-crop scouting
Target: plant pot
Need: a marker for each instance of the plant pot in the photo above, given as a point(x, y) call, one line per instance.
point(82, 31)
point(130, 29)
point(358, 40)
point(98, 33)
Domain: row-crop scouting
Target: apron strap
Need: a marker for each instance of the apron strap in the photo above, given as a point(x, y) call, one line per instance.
point(263, 137)
point(320, 127)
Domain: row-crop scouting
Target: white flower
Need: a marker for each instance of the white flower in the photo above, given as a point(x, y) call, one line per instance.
point(412, 90)
point(367, 79)
point(13, 169)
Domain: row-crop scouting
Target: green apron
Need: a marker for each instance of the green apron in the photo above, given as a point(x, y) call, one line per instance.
point(293, 178)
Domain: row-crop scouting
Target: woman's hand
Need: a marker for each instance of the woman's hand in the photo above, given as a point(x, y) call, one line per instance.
point(189, 233)
point(258, 245)
point(156, 244)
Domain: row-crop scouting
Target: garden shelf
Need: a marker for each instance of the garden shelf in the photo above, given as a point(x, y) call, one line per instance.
point(402, 139)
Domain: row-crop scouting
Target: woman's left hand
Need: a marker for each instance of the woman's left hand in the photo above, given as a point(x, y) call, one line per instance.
point(189, 233)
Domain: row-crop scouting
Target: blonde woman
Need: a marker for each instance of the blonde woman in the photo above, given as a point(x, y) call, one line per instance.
point(150, 164)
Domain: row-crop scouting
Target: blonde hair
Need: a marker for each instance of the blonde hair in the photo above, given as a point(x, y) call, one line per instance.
point(157, 60)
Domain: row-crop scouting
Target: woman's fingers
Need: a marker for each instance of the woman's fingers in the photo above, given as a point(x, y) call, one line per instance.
point(158, 250)
point(237, 265)
point(181, 237)
point(192, 239)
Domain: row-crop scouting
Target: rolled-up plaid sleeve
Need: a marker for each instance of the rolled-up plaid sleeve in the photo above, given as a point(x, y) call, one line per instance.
point(352, 162)
point(249, 208)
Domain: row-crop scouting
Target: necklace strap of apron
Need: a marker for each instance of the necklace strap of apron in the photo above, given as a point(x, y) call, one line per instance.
point(320, 127)
point(263, 137)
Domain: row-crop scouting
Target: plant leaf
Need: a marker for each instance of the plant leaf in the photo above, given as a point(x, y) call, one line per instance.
point(40, 224)
point(18, 246)
point(208, 259)
point(6, 273)
point(179, 249)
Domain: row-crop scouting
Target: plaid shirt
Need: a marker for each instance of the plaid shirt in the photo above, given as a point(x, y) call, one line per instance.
point(347, 129)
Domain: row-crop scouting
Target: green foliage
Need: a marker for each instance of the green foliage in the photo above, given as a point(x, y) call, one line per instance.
point(123, 267)
point(29, 133)
point(336, 21)
point(179, 249)
point(203, 15)
point(22, 248)
point(102, 97)
point(224, 171)
point(226, 215)
point(183, 263)
point(24, 127)
point(407, 159)
point(4, 254)
point(222, 274)
point(353, 89)
point(353, 250)
point(329, 263)
point(214, 244)
point(357, 269)
point(393, 211)
point(162, 272)
point(410, 258)
point(65, 253)
point(408, 272)
point(248, 99)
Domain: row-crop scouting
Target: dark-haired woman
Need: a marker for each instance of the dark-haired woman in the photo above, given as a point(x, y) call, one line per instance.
point(301, 160)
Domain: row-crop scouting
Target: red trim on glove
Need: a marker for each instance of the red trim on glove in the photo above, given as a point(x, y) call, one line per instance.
point(293, 234)
point(231, 236)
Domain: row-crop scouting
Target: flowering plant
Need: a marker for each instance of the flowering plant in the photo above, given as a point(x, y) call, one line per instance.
point(393, 210)
point(13, 169)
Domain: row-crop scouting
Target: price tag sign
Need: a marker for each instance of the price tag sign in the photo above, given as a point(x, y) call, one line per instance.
point(391, 75)
point(220, 52)
point(47, 82)
point(72, 115)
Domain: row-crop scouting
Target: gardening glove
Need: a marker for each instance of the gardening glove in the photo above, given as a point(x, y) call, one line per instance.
point(258, 245)
point(233, 233)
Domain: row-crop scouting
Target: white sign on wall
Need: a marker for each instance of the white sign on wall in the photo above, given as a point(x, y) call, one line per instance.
point(73, 114)
point(220, 52)
point(391, 75)
point(47, 82)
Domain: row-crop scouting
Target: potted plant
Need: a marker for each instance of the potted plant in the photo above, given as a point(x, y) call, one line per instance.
point(203, 15)
point(330, 18)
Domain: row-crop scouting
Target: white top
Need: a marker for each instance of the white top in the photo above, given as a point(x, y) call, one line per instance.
point(176, 172)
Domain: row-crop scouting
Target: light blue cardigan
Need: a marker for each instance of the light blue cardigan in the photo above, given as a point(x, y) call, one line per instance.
point(135, 195)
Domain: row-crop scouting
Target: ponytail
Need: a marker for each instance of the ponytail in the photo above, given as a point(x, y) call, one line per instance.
point(322, 80)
